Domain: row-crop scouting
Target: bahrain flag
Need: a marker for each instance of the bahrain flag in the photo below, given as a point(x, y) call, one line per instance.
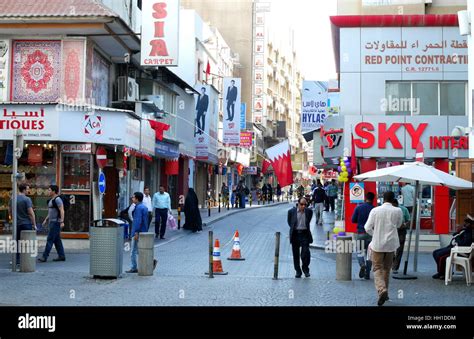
point(280, 158)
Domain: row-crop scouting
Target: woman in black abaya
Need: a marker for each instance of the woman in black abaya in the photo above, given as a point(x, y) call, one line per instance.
point(193, 221)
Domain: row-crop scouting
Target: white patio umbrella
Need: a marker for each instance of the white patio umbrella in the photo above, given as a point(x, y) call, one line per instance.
point(420, 174)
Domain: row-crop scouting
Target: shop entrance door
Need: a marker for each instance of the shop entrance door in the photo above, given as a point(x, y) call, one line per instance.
point(111, 192)
point(464, 198)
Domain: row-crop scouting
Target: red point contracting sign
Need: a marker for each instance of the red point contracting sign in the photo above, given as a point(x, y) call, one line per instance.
point(160, 33)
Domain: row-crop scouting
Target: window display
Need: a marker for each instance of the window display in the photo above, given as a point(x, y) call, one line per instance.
point(39, 168)
point(76, 171)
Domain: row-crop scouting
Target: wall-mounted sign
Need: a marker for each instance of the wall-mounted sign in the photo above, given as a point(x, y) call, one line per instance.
point(314, 110)
point(246, 139)
point(160, 32)
point(356, 192)
point(76, 148)
point(232, 92)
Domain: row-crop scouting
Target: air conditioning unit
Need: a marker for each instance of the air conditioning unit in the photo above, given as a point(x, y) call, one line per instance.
point(128, 89)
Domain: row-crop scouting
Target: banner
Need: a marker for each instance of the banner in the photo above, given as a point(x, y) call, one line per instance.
point(160, 33)
point(246, 139)
point(314, 110)
point(232, 103)
point(201, 130)
point(243, 117)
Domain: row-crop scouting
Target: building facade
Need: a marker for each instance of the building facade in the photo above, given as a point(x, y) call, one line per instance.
point(403, 80)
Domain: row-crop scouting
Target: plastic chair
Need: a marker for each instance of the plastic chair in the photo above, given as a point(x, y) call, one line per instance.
point(456, 258)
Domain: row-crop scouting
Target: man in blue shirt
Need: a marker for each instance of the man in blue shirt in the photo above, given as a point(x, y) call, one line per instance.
point(360, 216)
point(162, 205)
point(140, 224)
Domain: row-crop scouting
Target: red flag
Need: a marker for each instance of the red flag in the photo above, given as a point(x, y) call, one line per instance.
point(265, 165)
point(353, 156)
point(208, 71)
point(159, 128)
point(280, 158)
point(420, 152)
point(240, 168)
point(172, 166)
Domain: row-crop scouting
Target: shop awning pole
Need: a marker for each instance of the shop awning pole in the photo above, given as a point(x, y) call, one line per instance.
point(418, 215)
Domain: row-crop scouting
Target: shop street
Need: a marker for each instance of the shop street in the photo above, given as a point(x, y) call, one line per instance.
point(179, 278)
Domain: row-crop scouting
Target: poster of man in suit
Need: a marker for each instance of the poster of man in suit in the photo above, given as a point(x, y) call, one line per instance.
point(232, 122)
point(202, 107)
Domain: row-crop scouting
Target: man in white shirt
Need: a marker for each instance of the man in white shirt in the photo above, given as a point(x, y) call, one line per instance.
point(408, 194)
point(147, 203)
point(382, 225)
point(161, 204)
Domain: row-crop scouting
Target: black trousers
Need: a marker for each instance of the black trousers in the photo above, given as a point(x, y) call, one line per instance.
point(331, 203)
point(440, 256)
point(402, 235)
point(201, 122)
point(161, 214)
point(230, 106)
point(300, 247)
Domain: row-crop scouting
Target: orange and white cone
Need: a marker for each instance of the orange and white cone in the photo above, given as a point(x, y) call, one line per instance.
point(216, 260)
point(236, 255)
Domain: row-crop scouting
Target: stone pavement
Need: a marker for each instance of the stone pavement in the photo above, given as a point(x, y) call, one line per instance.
point(179, 279)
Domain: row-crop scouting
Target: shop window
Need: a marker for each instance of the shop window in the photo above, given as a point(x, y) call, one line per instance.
point(425, 95)
point(76, 171)
point(38, 162)
point(453, 98)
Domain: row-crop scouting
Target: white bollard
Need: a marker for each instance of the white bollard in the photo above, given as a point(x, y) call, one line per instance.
point(146, 242)
point(29, 249)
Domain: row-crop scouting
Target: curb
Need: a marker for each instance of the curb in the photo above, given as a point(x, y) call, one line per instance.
point(241, 210)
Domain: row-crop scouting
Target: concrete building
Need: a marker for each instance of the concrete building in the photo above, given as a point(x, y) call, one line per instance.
point(400, 74)
point(278, 98)
point(399, 7)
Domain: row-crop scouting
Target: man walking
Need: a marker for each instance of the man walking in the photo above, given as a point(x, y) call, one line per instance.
point(402, 235)
point(25, 216)
point(231, 98)
point(161, 204)
point(202, 106)
point(382, 225)
point(408, 194)
point(148, 205)
point(360, 216)
point(332, 195)
point(140, 224)
point(300, 236)
point(319, 196)
point(56, 224)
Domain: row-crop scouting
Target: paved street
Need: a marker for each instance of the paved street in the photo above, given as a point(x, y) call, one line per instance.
point(180, 280)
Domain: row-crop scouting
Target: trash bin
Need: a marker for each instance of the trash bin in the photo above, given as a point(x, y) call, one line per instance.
point(106, 248)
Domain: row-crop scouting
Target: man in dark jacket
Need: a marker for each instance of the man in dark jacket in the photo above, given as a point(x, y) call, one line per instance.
point(300, 236)
point(231, 99)
point(461, 238)
point(360, 216)
point(319, 196)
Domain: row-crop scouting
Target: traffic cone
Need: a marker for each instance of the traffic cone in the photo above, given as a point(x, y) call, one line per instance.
point(216, 260)
point(236, 255)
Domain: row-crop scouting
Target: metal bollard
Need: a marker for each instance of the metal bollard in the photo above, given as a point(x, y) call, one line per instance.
point(228, 202)
point(208, 208)
point(145, 253)
point(219, 203)
point(27, 256)
point(250, 200)
point(211, 258)
point(344, 258)
point(277, 256)
point(179, 217)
